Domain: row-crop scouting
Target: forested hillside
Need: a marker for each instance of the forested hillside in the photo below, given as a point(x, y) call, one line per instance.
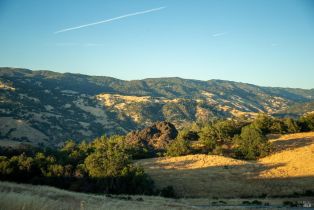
point(48, 108)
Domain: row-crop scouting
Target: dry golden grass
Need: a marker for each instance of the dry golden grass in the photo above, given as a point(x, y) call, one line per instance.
point(28, 197)
point(112, 99)
point(295, 152)
point(288, 170)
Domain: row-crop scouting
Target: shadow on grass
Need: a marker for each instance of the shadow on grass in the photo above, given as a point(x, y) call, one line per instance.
point(290, 144)
point(230, 181)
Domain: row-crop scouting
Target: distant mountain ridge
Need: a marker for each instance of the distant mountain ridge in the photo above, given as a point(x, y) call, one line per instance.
point(48, 107)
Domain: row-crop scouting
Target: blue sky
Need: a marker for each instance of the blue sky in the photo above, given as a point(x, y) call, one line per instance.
point(264, 42)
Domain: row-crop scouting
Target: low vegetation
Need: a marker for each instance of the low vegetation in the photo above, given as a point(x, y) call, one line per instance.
point(47, 108)
point(237, 138)
point(287, 172)
point(22, 196)
point(106, 164)
point(103, 166)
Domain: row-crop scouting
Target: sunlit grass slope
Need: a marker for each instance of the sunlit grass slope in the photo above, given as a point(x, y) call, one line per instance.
point(288, 170)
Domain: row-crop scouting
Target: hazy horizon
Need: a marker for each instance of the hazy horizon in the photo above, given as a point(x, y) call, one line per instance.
point(265, 43)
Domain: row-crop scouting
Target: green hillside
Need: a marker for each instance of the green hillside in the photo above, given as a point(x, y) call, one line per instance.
point(45, 107)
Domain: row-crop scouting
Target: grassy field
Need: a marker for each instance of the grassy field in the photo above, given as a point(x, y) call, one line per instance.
point(29, 197)
point(288, 170)
point(23, 197)
point(203, 181)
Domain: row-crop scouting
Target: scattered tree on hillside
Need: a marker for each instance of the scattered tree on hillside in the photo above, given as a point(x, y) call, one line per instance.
point(277, 127)
point(101, 166)
point(105, 164)
point(307, 122)
point(109, 158)
point(180, 146)
point(208, 138)
point(219, 133)
point(264, 123)
point(291, 125)
point(252, 144)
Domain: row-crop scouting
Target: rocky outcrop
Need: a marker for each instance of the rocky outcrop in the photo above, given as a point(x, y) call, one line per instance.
point(155, 137)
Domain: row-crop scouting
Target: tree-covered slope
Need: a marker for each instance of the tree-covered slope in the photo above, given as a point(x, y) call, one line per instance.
point(50, 107)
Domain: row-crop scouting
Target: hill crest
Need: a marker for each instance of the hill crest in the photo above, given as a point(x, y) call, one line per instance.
point(65, 106)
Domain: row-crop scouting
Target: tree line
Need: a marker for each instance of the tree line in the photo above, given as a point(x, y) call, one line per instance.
point(106, 164)
point(238, 138)
point(101, 166)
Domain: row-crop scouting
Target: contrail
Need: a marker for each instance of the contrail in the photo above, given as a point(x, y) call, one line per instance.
point(111, 19)
point(219, 34)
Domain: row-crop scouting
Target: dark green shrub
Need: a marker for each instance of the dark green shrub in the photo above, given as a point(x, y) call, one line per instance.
point(215, 135)
point(256, 202)
point(246, 202)
point(251, 144)
point(308, 193)
point(263, 123)
point(291, 125)
point(168, 192)
point(291, 203)
point(208, 138)
point(180, 146)
point(107, 168)
point(277, 127)
point(306, 122)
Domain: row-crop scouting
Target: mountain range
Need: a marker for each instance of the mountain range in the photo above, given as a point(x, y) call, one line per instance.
point(48, 108)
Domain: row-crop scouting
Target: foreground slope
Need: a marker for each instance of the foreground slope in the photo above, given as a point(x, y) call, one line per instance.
point(287, 171)
point(44, 107)
point(22, 196)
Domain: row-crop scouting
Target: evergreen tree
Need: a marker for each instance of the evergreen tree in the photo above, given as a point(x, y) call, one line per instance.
point(109, 158)
point(178, 147)
point(307, 122)
point(252, 144)
point(291, 125)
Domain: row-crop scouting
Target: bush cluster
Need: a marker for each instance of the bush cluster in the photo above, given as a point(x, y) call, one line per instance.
point(102, 166)
point(239, 138)
point(105, 164)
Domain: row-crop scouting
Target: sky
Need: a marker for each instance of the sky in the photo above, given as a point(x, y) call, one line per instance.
point(263, 42)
